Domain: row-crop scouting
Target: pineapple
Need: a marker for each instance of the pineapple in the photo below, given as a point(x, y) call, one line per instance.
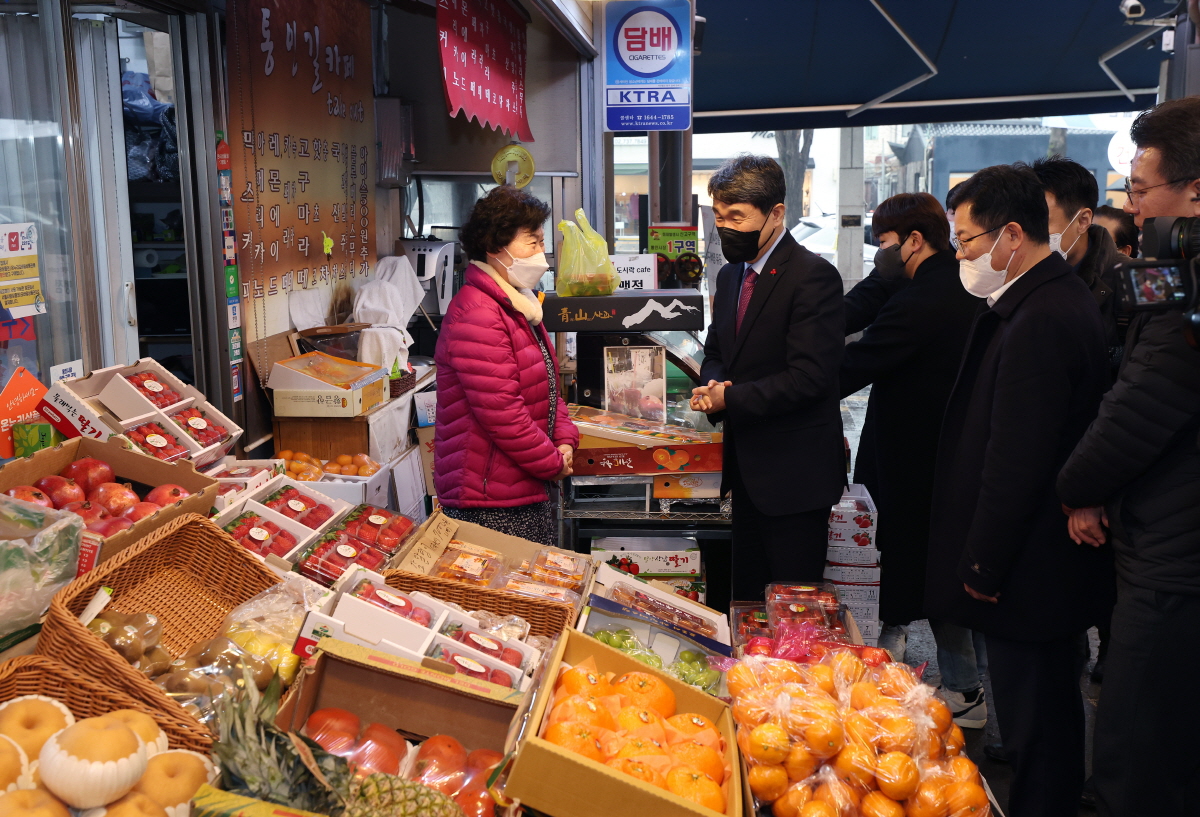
point(262, 761)
point(383, 795)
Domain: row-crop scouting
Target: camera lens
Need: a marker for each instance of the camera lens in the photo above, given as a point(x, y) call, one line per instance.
point(1171, 238)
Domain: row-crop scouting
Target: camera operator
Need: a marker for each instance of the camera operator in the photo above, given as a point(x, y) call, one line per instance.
point(1137, 471)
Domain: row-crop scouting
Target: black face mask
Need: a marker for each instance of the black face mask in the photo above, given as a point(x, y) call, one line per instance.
point(889, 262)
point(740, 245)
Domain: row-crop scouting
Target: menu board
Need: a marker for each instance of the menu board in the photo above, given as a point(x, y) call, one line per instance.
point(302, 140)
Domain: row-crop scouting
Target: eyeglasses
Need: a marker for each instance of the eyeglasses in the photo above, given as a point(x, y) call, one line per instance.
point(1133, 194)
point(961, 244)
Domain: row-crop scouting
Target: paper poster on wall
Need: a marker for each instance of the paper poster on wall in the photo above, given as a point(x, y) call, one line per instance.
point(302, 139)
point(20, 283)
point(635, 381)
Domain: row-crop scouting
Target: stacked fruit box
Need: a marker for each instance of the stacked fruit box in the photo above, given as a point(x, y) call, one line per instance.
point(852, 560)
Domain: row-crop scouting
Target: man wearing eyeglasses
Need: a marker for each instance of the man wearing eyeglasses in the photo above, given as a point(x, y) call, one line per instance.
point(1137, 472)
point(1000, 560)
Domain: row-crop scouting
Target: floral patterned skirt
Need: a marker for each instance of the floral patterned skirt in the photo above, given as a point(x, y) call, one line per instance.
point(533, 522)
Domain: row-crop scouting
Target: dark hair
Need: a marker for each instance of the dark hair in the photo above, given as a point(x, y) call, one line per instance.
point(1005, 193)
point(1174, 129)
point(1127, 231)
point(1073, 185)
point(905, 213)
point(498, 217)
point(952, 196)
point(756, 180)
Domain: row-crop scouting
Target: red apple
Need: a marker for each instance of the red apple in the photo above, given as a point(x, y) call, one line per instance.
point(110, 527)
point(141, 510)
point(29, 494)
point(168, 494)
point(61, 490)
point(113, 497)
point(90, 511)
point(89, 472)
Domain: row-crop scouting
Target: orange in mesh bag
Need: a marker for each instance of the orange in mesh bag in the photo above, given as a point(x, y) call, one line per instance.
point(848, 669)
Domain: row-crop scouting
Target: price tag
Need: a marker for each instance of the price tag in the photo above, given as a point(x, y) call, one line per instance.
point(260, 534)
point(152, 385)
point(347, 551)
point(156, 440)
point(198, 423)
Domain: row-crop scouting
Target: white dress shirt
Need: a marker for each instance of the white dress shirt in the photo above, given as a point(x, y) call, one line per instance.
point(995, 296)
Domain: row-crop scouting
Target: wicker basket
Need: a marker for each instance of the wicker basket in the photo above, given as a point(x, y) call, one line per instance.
point(546, 617)
point(405, 382)
point(39, 675)
point(190, 574)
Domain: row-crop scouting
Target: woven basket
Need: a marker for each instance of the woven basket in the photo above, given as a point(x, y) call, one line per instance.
point(545, 617)
point(405, 382)
point(39, 675)
point(190, 574)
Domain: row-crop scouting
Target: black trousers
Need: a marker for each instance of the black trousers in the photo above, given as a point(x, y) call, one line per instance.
point(1039, 708)
point(774, 548)
point(1144, 760)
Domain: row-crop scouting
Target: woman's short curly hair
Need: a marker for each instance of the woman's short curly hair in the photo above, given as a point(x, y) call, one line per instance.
point(498, 217)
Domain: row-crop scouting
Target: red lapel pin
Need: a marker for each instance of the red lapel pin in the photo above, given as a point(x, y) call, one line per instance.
point(772, 272)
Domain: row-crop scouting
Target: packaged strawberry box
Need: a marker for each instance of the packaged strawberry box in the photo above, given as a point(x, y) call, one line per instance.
point(149, 386)
point(154, 440)
point(293, 504)
point(393, 601)
point(459, 630)
point(383, 529)
point(262, 536)
point(329, 557)
point(472, 666)
point(199, 427)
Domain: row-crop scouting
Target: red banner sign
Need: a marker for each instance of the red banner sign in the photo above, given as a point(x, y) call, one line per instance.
point(483, 63)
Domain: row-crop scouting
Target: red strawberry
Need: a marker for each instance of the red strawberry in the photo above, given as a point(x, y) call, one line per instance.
point(500, 678)
point(512, 656)
point(421, 616)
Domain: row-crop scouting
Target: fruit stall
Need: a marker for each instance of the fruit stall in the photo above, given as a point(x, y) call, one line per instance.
point(186, 632)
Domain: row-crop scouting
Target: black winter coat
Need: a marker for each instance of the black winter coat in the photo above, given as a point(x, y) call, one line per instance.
point(867, 297)
point(910, 353)
point(1030, 383)
point(1097, 269)
point(783, 424)
point(1141, 457)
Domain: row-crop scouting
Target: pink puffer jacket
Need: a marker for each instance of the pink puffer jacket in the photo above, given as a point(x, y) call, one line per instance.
point(492, 448)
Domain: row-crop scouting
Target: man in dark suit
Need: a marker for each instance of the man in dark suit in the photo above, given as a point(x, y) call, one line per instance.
point(910, 352)
point(771, 362)
point(1000, 561)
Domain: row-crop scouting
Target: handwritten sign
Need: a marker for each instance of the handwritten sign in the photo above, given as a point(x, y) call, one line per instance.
point(432, 544)
point(638, 272)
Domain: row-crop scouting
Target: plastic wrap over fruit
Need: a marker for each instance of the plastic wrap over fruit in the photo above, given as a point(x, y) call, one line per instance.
point(267, 625)
point(39, 554)
point(584, 266)
point(443, 764)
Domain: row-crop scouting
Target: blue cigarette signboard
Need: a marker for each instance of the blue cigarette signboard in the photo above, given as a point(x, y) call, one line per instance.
point(647, 65)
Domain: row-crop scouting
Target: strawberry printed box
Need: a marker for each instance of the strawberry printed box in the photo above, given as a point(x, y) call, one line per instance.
point(855, 512)
point(851, 538)
point(652, 563)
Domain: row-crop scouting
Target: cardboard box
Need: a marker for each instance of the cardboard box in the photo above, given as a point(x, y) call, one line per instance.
point(425, 443)
point(551, 779)
point(853, 574)
point(609, 458)
point(625, 311)
point(854, 518)
point(607, 577)
point(372, 490)
point(852, 537)
point(870, 628)
point(129, 466)
point(652, 563)
point(865, 611)
point(695, 589)
point(850, 593)
point(401, 694)
point(298, 394)
point(688, 486)
point(425, 404)
point(853, 556)
point(29, 438)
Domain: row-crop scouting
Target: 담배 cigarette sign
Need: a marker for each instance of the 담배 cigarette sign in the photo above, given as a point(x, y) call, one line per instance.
point(20, 284)
point(647, 65)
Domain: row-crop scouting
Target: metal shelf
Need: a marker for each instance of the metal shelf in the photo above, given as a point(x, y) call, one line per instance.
point(642, 516)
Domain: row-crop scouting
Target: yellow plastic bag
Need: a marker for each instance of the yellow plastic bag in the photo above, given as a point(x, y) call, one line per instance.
point(584, 266)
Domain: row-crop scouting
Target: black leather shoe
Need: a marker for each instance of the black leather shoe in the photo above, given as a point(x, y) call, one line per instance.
point(995, 752)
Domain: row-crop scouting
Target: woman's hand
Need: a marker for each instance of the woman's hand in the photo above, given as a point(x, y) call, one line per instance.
point(568, 455)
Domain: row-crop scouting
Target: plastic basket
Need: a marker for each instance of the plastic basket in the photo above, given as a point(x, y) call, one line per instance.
point(86, 698)
point(190, 574)
point(405, 382)
point(547, 618)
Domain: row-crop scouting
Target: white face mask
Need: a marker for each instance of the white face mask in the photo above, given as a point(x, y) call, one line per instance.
point(526, 272)
point(1056, 239)
point(979, 277)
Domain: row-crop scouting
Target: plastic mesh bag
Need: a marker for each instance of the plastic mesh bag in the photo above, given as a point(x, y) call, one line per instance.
point(39, 554)
point(584, 268)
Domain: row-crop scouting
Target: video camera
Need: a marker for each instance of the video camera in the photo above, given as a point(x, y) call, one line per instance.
point(1165, 278)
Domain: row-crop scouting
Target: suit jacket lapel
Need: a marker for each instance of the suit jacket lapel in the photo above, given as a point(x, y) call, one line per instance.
point(772, 271)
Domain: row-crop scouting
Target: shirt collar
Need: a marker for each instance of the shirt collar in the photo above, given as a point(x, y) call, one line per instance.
point(758, 265)
point(995, 296)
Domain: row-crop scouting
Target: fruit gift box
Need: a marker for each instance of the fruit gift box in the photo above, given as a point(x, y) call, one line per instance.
point(188, 576)
point(614, 736)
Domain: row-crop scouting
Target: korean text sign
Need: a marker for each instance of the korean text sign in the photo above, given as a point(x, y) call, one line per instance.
point(647, 65)
point(482, 45)
point(302, 138)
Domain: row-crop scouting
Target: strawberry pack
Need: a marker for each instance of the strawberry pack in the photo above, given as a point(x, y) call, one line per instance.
point(293, 504)
point(472, 664)
point(489, 645)
point(149, 386)
point(380, 528)
point(199, 427)
point(329, 557)
point(261, 536)
point(393, 601)
point(154, 440)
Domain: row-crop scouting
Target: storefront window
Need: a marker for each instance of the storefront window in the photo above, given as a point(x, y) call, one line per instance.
point(39, 318)
point(631, 180)
point(440, 205)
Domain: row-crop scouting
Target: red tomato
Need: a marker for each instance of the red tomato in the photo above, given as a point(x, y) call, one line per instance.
point(332, 719)
point(476, 802)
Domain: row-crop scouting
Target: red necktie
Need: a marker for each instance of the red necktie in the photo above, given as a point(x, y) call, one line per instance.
point(744, 300)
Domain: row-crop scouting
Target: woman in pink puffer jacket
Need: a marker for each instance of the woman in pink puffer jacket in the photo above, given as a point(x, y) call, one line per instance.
point(502, 427)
